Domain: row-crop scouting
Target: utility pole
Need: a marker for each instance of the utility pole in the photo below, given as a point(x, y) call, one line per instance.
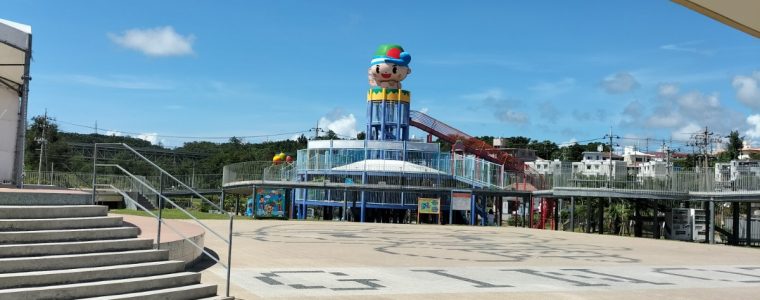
point(703, 140)
point(610, 136)
point(42, 140)
point(316, 131)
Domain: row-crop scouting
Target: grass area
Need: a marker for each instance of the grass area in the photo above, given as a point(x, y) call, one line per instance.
point(173, 214)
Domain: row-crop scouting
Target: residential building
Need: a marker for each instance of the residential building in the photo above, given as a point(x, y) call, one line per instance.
point(550, 167)
point(596, 163)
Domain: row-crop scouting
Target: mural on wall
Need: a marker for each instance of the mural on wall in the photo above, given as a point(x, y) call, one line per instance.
point(389, 67)
point(270, 203)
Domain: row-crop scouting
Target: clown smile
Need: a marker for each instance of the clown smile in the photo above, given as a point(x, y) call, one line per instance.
point(386, 76)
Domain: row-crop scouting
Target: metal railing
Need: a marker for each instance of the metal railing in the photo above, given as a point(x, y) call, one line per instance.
point(675, 182)
point(163, 199)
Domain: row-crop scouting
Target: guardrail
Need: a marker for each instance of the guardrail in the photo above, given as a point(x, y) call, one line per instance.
point(163, 199)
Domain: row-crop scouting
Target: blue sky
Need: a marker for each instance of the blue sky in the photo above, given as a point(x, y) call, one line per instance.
point(556, 70)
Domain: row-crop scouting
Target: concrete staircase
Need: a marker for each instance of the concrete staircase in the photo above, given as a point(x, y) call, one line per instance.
point(78, 251)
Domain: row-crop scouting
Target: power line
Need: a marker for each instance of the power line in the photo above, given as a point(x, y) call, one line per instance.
point(179, 136)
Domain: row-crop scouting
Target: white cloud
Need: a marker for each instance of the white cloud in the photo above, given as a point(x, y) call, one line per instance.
point(687, 47)
point(117, 81)
point(551, 89)
point(667, 90)
point(151, 137)
point(487, 95)
point(494, 101)
point(675, 111)
point(684, 133)
point(754, 123)
point(511, 116)
point(159, 41)
point(113, 133)
point(619, 83)
point(569, 143)
point(748, 89)
point(424, 110)
point(341, 124)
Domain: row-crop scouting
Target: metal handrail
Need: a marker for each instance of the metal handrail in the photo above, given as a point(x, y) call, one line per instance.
point(94, 159)
point(158, 234)
point(164, 198)
point(228, 241)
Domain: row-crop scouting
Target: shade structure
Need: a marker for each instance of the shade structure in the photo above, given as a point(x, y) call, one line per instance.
point(15, 58)
point(381, 165)
point(739, 14)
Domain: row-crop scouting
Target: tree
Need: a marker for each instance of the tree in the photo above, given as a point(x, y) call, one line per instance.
point(361, 136)
point(486, 138)
point(517, 142)
point(331, 135)
point(572, 152)
point(302, 140)
point(734, 147)
point(594, 146)
point(543, 149)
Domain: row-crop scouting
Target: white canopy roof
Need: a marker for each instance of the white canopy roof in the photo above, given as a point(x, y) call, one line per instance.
point(14, 44)
point(15, 56)
point(380, 165)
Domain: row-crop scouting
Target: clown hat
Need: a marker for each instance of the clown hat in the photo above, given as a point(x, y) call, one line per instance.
point(390, 53)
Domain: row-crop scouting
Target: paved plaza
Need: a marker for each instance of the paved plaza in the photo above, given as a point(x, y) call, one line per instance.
point(299, 259)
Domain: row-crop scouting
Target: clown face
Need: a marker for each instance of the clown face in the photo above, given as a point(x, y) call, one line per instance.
point(387, 75)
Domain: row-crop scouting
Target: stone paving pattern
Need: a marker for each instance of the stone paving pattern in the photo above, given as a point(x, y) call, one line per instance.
point(329, 260)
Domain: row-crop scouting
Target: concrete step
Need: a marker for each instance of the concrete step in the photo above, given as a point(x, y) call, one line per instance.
point(218, 298)
point(52, 211)
point(59, 262)
point(102, 288)
point(40, 249)
point(88, 234)
point(70, 276)
point(196, 291)
point(59, 223)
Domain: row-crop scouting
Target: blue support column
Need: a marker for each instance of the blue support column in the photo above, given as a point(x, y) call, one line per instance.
point(473, 213)
point(303, 204)
point(362, 208)
point(483, 214)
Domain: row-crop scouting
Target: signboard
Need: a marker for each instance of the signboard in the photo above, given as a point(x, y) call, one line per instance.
point(429, 205)
point(269, 203)
point(461, 200)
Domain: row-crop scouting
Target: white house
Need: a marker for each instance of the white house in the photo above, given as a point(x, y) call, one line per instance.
point(635, 158)
point(745, 168)
point(545, 167)
point(653, 169)
point(596, 163)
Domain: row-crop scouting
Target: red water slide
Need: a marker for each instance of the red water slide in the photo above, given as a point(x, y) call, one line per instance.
point(472, 145)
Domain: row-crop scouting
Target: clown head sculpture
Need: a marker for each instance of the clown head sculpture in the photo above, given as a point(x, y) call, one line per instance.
point(389, 67)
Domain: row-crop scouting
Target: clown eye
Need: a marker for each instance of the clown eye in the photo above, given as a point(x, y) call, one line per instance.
point(377, 69)
point(394, 69)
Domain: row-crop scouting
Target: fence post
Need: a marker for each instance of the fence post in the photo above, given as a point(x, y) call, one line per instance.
point(94, 171)
point(160, 208)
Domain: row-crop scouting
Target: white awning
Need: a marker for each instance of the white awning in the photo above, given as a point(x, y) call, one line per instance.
point(380, 165)
point(15, 56)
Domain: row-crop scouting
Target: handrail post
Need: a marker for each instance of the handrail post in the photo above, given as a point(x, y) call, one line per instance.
point(160, 209)
point(229, 257)
point(94, 172)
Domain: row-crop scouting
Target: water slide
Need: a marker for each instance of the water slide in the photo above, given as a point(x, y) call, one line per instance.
point(471, 145)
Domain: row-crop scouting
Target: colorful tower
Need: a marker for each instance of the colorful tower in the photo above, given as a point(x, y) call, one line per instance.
point(387, 102)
